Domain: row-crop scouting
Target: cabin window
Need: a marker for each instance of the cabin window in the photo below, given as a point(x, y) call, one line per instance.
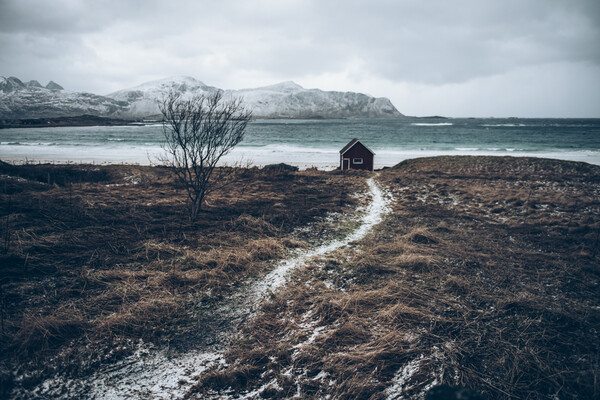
point(357, 161)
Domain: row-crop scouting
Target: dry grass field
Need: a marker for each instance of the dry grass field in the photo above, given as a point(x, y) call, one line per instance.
point(93, 258)
point(484, 276)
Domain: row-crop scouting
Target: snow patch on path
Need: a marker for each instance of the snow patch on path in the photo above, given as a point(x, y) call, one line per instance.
point(157, 376)
point(375, 211)
point(146, 374)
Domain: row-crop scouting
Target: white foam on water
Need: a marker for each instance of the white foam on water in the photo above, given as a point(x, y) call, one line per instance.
point(432, 124)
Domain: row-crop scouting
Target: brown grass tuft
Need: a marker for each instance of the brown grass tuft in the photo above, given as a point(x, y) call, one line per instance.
point(421, 236)
point(41, 333)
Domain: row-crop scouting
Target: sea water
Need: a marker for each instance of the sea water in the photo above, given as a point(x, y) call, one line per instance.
point(307, 143)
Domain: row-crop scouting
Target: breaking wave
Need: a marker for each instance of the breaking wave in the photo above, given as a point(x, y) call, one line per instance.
point(504, 125)
point(432, 124)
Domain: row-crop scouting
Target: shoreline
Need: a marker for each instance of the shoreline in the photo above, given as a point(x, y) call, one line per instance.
point(307, 144)
point(97, 121)
point(75, 121)
point(241, 156)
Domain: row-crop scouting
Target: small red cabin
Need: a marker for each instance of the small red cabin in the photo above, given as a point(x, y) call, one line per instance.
point(356, 155)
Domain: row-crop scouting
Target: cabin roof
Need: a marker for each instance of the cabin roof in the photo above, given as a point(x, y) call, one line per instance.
point(352, 143)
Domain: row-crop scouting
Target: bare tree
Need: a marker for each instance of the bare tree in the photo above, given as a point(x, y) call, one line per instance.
point(198, 132)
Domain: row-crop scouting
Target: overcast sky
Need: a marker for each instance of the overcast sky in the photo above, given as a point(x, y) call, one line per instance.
point(460, 58)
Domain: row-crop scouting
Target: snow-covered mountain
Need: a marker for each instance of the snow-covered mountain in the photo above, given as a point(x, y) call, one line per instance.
point(20, 100)
point(290, 100)
point(142, 100)
point(283, 100)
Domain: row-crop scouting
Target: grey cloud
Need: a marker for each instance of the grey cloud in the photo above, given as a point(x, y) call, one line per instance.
point(426, 42)
point(36, 17)
point(445, 43)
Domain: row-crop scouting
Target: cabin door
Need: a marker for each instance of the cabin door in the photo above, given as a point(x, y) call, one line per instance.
point(345, 164)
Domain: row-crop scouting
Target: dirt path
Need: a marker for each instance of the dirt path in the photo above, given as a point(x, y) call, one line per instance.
point(167, 374)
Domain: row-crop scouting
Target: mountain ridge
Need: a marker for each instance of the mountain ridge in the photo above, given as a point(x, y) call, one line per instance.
point(281, 100)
